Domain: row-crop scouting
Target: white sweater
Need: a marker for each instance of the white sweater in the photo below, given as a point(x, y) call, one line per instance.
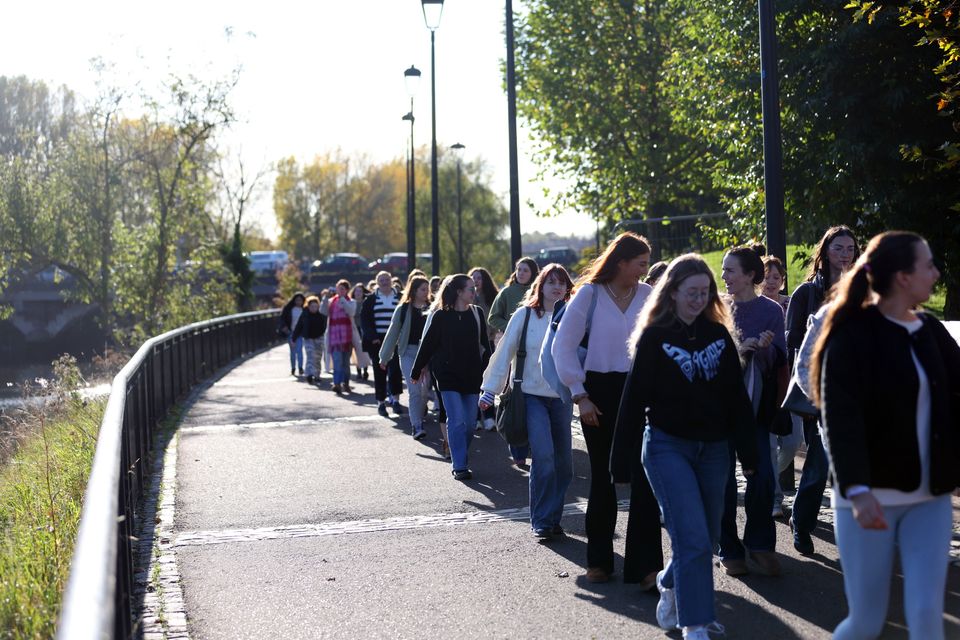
point(504, 358)
point(609, 331)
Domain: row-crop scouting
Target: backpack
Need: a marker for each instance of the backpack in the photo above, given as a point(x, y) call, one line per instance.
point(548, 368)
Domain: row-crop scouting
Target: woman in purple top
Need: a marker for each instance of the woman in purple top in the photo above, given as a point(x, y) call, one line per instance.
point(759, 325)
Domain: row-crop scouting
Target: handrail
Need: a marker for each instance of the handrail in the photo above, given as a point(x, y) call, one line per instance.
point(97, 599)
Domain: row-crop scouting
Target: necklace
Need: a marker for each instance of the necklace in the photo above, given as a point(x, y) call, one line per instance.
point(686, 329)
point(628, 294)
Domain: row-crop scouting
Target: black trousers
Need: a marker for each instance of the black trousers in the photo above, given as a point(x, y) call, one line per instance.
point(643, 553)
point(380, 376)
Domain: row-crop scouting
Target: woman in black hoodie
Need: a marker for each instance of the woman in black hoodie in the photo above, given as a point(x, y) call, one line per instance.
point(887, 379)
point(685, 397)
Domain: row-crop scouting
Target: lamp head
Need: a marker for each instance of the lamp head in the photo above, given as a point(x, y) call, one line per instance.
point(432, 10)
point(411, 79)
point(458, 150)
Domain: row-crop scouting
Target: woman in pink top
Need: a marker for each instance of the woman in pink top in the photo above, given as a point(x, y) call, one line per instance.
point(600, 318)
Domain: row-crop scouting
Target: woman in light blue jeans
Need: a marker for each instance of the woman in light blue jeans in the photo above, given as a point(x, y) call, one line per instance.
point(406, 329)
point(685, 384)
point(548, 416)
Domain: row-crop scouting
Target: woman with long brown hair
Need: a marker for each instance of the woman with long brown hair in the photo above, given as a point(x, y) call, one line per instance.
point(403, 338)
point(596, 325)
point(548, 416)
point(685, 395)
point(886, 377)
point(834, 256)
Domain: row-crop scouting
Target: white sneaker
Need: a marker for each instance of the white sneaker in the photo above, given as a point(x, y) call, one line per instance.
point(489, 424)
point(704, 632)
point(667, 607)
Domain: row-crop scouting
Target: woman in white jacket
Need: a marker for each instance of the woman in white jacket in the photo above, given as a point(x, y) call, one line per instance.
point(548, 417)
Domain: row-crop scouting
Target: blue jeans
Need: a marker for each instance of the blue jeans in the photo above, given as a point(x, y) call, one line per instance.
point(296, 352)
point(341, 366)
point(418, 391)
point(461, 415)
point(551, 467)
point(688, 477)
point(922, 534)
point(813, 480)
point(760, 532)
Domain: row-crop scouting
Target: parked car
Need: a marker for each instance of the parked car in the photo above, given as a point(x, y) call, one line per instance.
point(396, 262)
point(267, 263)
point(342, 263)
point(561, 255)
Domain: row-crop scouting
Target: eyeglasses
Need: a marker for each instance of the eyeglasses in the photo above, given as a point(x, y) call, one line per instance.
point(693, 295)
point(473, 289)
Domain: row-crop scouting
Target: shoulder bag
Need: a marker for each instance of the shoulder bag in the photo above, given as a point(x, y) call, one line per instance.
point(511, 408)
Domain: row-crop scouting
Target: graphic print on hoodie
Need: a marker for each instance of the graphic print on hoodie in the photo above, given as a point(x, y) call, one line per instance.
point(702, 364)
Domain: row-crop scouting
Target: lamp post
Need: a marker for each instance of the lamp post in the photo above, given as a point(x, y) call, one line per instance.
point(458, 152)
point(516, 248)
point(432, 11)
point(411, 78)
point(772, 152)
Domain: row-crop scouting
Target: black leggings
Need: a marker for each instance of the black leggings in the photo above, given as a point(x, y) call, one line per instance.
point(643, 553)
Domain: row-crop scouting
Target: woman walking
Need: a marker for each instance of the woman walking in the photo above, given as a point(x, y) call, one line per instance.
point(456, 347)
point(486, 294)
point(361, 360)
point(341, 311)
point(886, 378)
point(599, 320)
point(403, 337)
point(504, 306)
point(548, 417)
point(833, 257)
point(311, 327)
point(289, 316)
point(759, 326)
point(685, 395)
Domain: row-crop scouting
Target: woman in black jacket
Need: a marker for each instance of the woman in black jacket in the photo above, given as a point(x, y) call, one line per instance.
point(887, 380)
point(685, 396)
point(834, 255)
point(456, 347)
point(289, 316)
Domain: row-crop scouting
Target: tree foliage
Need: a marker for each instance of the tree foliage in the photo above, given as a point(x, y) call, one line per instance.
point(859, 125)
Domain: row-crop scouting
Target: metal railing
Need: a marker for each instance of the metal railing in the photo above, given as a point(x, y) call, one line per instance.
point(97, 601)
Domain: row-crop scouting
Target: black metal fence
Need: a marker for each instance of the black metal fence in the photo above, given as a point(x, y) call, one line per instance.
point(97, 602)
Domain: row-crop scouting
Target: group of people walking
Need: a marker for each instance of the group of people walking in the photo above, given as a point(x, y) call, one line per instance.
point(674, 382)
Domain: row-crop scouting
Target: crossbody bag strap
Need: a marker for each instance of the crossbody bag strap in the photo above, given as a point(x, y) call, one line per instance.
point(522, 350)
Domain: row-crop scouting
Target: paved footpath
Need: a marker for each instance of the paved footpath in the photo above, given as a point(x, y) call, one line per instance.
point(289, 512)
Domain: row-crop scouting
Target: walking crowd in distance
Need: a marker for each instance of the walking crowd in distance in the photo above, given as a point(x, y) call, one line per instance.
point(674, 383)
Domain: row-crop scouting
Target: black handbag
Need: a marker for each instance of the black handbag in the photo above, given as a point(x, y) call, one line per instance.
point(796, 401)
point(511, 408)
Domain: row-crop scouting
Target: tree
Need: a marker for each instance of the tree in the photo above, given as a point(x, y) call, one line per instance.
point(592, 85)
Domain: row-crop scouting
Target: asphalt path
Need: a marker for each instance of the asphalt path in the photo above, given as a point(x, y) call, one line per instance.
point(301, 514)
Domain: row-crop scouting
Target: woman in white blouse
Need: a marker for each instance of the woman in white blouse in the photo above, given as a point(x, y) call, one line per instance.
point(590, 352)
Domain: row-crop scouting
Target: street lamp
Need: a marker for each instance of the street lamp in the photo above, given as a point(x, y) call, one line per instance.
point(411, 78)
point(516, 248)
point(458, 152)
point(772, 152)
point(432, 10)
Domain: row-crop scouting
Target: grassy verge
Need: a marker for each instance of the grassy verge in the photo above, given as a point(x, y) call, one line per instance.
point(41, 495)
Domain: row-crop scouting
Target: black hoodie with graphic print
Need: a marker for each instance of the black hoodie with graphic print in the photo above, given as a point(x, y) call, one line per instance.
point(686, 381)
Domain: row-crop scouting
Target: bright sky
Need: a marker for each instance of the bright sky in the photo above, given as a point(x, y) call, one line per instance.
point(316, 75)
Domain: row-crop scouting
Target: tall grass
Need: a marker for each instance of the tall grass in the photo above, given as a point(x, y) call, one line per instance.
point(41, 495)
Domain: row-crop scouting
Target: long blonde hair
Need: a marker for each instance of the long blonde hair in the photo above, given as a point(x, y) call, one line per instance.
point(661, 309)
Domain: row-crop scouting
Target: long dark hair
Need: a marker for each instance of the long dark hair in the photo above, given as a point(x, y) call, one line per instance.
point(487, 288)
point(604, 268)
point(291, 303)
point(449, 290)
point(534, 297)
point(887, 255)
point(820, 262)
point(534, 270)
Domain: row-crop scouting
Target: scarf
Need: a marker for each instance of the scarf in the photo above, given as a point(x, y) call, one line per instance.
point(340, 328)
